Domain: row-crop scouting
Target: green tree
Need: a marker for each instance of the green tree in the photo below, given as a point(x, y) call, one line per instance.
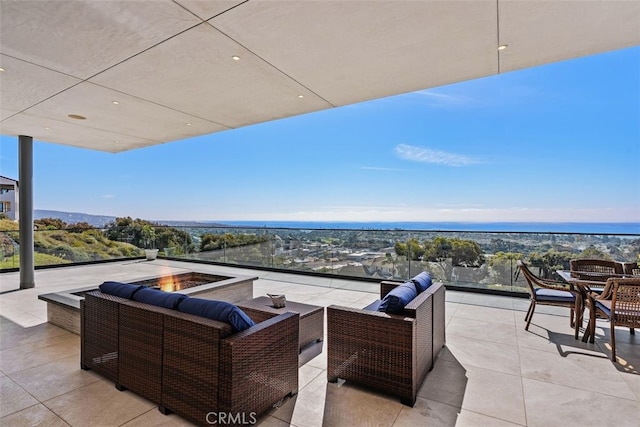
point(503, 266)
point(148, 234)
point(454, 252)
point(411, 249)
point(591, 252)
point(500, 245)
point(550, 261)
point(125, 229)
point(50, 224)
point(145, 234)
point(79, 227)
point(211, 241)
point(394, 260)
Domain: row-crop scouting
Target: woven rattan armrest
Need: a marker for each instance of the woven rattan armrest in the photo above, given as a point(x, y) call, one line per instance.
point(99, 333)
point(556, 285)
point(415, 303)
point(387, 286)
point(439, 302)
point(259, 364)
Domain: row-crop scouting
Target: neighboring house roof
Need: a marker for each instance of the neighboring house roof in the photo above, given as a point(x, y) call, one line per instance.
point(2, 177)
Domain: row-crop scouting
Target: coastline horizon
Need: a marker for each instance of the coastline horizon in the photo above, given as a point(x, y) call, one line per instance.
point(591, 227)
point(470, 226)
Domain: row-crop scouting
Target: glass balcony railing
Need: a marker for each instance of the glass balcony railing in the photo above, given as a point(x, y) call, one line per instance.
point(461, 259)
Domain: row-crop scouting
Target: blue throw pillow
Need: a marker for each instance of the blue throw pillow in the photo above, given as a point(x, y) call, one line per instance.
point(374, 306)
point(422, 281)
point(217, 310)
point(159, 298)
point(395, 301)
point(122, 290)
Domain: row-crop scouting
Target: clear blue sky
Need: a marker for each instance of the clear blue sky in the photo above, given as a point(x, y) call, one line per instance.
point(560, 142)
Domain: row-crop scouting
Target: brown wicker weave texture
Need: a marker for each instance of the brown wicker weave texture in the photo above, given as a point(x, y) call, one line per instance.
point(187, 364)
point(260, 367)
point(439, 338)
point(207, 370)
point(624, 307)
point(631, 268)
point(311, 316)
point(99, 333)
point(388, 353)
point(140, 349)
point(576, 307)
point(191, 365)
point(598, 270)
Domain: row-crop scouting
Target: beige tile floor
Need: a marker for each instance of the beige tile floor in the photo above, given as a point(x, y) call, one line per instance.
point(491, 373)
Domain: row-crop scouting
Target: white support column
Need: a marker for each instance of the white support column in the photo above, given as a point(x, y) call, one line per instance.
point(25, 211)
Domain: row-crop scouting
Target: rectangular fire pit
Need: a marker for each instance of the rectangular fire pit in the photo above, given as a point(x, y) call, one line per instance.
point(63, 308)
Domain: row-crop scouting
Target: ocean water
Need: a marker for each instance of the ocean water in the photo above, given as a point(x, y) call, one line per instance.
point(532, 227)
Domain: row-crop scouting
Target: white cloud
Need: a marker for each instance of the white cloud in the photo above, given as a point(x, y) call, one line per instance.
point(108, 196)
point(445, 99)
point(427, 155)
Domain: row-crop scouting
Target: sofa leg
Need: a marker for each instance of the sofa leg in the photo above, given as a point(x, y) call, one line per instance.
point(408, 402)
point(163, 410)
point(84, 367)
point(120, 387)
point(332, 379)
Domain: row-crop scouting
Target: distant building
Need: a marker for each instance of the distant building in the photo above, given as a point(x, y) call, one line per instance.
point(353, 269)
point(356, 256)
point(380, 266)
point(9, 197)
point(360, 256)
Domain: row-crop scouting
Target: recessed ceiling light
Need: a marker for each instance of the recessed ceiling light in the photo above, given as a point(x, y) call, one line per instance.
point(76, 116)
point(300, 96)
point(46, 128)
point(1, 69)
point(235, 58)
point(115, 102)
point(188, 124)
point(503, 46)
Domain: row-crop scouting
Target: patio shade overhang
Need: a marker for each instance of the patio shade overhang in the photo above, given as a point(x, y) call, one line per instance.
point(120, 75)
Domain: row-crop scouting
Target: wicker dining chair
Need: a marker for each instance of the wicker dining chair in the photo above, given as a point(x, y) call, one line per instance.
point(551, 292)
point(623, 309)
point(631, 268)
point(595, 269)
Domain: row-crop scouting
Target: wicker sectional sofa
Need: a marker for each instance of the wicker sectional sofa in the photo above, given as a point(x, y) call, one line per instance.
point(187, 364)
point(391, 353)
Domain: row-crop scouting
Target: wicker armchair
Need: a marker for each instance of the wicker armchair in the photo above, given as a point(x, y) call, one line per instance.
point(550, 292)
point(623, 309)
point(387, 352)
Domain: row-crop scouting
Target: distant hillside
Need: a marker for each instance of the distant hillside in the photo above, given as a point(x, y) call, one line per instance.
point(74, 217)
point(99, 221)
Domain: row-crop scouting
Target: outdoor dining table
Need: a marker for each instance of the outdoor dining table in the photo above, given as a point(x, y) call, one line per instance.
point(586, 288)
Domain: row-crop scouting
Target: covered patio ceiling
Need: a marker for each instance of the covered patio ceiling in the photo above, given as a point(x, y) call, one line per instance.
point(119, 75)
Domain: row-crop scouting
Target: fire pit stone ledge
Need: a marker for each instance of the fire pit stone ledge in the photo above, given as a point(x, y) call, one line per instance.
point(63, 308)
